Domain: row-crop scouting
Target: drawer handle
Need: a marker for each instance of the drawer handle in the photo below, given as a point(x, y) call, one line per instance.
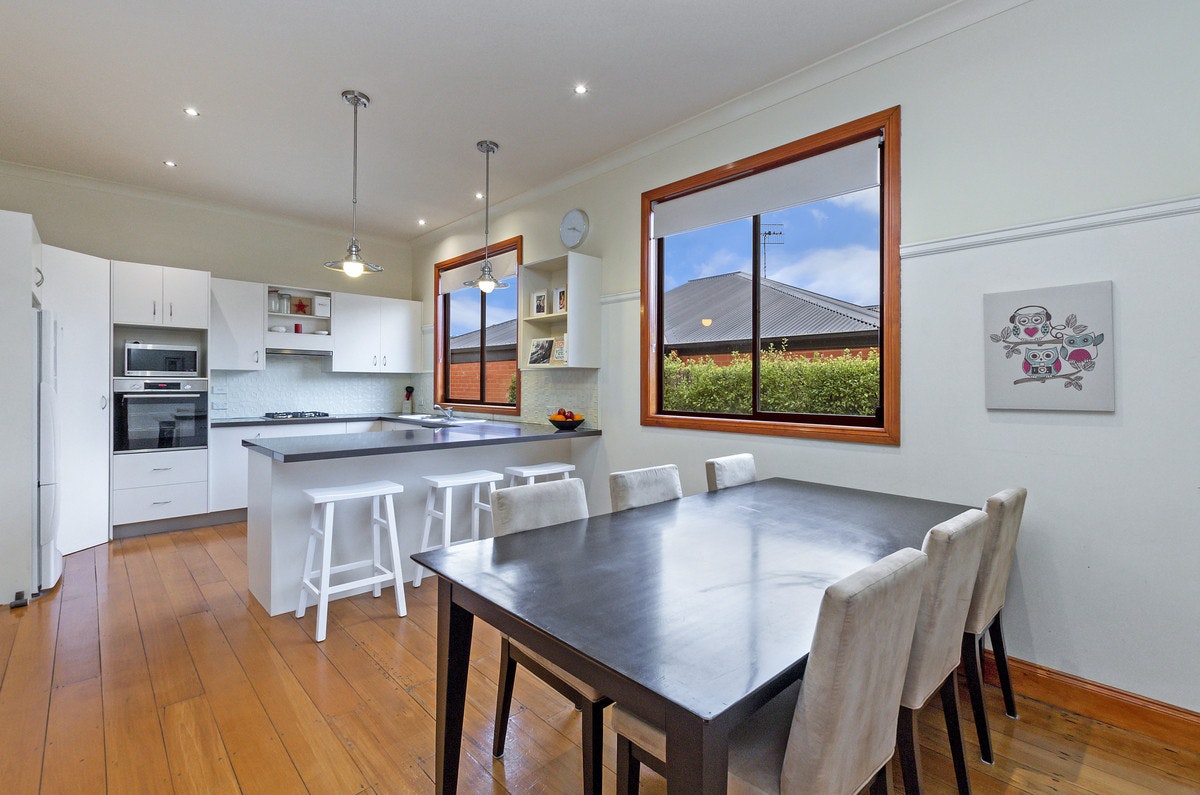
point(161, 469)
point(162, 502)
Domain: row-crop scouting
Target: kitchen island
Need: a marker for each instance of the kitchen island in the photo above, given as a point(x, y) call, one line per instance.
point(280, 469)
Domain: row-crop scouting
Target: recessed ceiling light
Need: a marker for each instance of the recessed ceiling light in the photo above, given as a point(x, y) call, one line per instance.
point(421, 222)
point(170, 163)
point(580, 88)
point(479, 195)
point(191, 111)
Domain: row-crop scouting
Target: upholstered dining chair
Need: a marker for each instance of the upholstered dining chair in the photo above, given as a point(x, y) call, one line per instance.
point(954, 548)
point(634, 488)
point(515, 510)
point(730, 470)
point(835, 732)
point(1004, 512)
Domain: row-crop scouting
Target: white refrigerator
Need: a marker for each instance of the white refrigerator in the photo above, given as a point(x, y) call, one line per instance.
point(46, 560)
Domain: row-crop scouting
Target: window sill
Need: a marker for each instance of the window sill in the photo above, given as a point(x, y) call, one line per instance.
point(801, 430)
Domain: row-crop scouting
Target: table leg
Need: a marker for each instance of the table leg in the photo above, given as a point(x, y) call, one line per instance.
point(454, 662)
point(697, 757)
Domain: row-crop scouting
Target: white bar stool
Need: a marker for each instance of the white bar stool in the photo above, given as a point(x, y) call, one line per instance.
point(322, 528)
point(445, 484)
point(528, 473)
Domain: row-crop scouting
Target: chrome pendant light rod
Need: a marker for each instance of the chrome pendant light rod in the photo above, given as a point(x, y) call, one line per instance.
point(353, 264)
point(486, 281)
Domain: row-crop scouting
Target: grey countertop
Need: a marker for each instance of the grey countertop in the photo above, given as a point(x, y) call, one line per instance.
point(411, 440)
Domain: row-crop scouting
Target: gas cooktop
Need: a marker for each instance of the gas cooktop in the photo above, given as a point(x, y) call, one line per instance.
point(294, 415)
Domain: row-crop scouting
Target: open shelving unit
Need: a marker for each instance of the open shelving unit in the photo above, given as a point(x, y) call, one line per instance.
point(315, 330)
point(574, 327)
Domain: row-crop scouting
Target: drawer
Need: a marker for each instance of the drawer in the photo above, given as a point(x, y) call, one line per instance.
point(159, 502)
point(134, 470)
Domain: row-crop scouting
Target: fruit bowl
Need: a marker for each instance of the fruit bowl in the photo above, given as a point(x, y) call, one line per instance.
point(566, 425)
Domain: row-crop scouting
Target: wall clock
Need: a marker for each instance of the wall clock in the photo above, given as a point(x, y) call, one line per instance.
point(574, 228)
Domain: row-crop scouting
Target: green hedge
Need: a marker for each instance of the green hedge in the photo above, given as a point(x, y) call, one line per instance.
point(846, 384)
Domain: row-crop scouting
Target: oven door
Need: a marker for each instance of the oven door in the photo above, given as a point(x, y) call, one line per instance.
point(159, 421)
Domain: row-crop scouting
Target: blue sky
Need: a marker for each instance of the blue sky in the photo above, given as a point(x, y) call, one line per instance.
point(464, 307)
point(830, 247)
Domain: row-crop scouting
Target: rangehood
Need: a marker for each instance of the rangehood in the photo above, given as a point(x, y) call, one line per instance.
point(298, 352)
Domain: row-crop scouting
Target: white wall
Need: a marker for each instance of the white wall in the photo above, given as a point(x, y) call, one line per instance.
point(1049, 110)
point(118, 222)
point(18, 239)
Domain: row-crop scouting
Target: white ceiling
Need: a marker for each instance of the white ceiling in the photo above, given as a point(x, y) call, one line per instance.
point(98, 90)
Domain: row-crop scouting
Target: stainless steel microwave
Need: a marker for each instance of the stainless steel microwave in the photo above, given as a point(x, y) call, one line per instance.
point(148, 360)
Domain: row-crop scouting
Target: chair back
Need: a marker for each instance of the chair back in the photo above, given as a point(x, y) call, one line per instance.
point(1004, 512)
point(636, 487)
point(522, 508)
point(730, 470)
point(844, 727)
point(953, 548)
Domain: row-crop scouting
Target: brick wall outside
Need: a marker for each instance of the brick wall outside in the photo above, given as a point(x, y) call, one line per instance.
point(464, 379)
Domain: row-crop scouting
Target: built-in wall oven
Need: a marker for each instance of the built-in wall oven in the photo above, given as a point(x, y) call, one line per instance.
point(159, 414)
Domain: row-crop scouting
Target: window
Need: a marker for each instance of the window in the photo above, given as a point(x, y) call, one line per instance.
point(475, 333)
point(771, 289)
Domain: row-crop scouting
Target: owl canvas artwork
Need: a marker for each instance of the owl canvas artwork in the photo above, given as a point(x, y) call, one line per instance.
point(1050, 348)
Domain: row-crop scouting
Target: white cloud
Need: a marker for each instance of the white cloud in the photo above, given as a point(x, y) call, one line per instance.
point(866, 201)
point(720, 261)
point(850, 273)
point(819, 215)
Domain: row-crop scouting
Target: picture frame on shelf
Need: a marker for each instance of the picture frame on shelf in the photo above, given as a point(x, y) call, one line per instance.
point(558, 353)
point(560, 299)
point(538, 305)
point(541, 348)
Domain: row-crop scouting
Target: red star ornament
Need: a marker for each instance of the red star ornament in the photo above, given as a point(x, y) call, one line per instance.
point(301, 307)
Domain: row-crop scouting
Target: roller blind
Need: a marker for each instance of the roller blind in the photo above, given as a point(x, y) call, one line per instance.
point(503, 266)
point(843, 170)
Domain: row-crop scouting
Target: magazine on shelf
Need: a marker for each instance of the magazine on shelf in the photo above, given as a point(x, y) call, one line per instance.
point(558, 353)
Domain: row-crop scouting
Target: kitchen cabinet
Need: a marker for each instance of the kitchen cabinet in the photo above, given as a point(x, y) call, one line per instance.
point(236, 337)
point(301, 309)
point(575, 323)
point(159, 485)
point(372, 334)
point(153, 295)
point(75, 290)
point(227, 457)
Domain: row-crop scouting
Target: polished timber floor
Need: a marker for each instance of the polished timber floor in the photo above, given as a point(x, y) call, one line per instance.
point(152, 670)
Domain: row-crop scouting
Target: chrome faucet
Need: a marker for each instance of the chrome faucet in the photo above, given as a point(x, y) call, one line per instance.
point(447, 412)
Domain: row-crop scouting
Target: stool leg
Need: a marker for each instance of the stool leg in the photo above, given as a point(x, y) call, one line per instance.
point(512, 480)
point(326, 560)
point(376, 518)
point(401, 604)
point(425, 536)
point(475, 513)
point(447, 507)
point(564, 475)
point(308, 562)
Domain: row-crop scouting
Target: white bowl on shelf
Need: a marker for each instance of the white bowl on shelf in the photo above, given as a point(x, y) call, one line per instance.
point(322, 333)
point(277, 328)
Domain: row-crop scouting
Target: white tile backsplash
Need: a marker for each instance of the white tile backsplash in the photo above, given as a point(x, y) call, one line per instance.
point(304, 383)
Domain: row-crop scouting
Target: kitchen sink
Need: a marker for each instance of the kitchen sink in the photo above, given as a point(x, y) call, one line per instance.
point(436, 420)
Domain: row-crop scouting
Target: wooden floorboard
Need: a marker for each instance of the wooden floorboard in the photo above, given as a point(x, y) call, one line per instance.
point(151, 669)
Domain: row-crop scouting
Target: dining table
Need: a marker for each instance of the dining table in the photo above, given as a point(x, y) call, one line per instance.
point(691, 613)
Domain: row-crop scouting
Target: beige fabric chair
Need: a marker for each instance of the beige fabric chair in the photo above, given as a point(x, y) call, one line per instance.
point(636, 487)
point(1004, 517)
point(835, 732)
point(730, 470)
point(954, 548)
point(515, 510)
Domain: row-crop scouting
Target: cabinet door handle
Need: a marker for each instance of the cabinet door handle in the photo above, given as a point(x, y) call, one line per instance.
point(374, 360)
point(256, 357)
point(41, 277)
point(385, 360)
point(103, 402)
point(162, 469)
point(171, 307)
point(154, 309)
point(162, 502)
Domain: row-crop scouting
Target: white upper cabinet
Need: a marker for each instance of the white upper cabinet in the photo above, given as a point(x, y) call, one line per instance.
point(236, 335)
point(152, 295)
point(375, 335)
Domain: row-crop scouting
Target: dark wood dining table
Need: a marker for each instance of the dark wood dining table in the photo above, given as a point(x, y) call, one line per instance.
point(692, 613)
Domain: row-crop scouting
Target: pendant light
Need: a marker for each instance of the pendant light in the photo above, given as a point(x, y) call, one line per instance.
point(353, 264)
point(486, 282)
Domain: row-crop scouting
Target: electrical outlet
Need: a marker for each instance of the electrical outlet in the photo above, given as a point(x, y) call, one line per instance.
point(220, 390)
point(219, 405)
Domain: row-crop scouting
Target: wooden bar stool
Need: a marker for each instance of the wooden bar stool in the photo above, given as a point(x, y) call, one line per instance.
point(321, 528)
point(444, 484)
point(527, 473)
